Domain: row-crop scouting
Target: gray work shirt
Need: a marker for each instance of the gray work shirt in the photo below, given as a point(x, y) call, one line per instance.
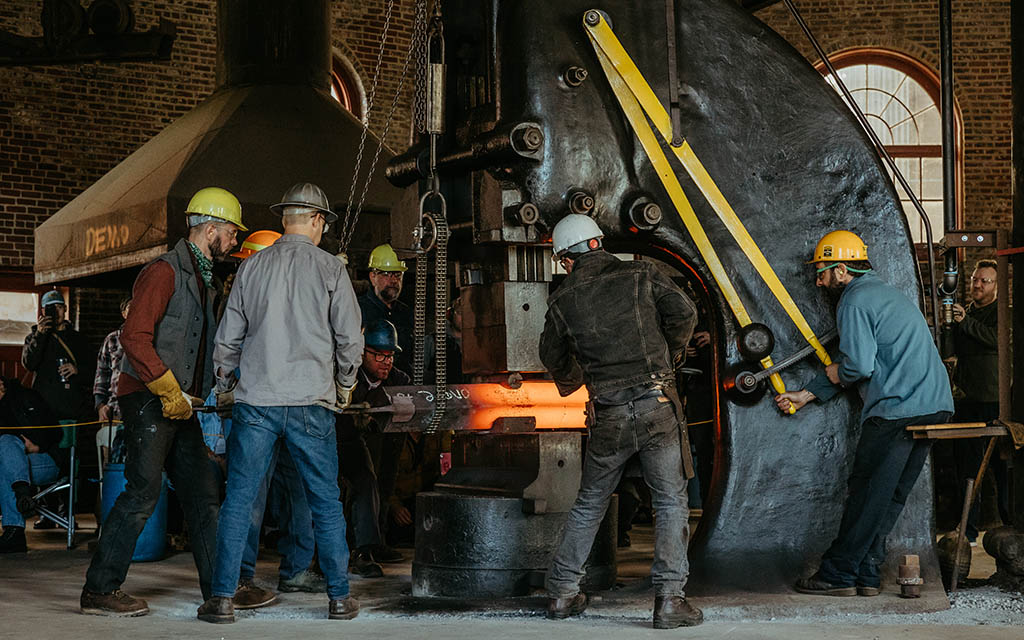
point(291, 326)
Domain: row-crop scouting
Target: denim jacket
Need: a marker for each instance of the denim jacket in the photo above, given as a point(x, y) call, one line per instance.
point(614, 325)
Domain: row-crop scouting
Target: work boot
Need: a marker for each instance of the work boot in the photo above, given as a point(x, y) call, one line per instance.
point(116, 603)
point(343, 608)
point(13, 540)
point(384, 553)
point(305, 580)
point(23, 498)
point(249, 596)
point(868, 592)
point(218, 610)
point(817, 586)
point(562, 608)
point(362, 564)
point(674, 611)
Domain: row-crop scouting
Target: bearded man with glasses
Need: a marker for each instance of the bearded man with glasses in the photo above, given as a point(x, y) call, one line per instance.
point(356, 464)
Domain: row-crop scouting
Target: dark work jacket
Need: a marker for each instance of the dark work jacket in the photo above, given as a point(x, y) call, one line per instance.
point(615, 325)
point(40, 355)
point(400, 315)
point(977, 356)
point(21, 407)
point(351, 425)
point(183, 339)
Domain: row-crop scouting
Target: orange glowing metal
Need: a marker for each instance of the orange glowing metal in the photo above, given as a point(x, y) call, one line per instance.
point(535, 399)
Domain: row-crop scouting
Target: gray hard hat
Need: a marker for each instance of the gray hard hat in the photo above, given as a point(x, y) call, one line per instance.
point(306, 195)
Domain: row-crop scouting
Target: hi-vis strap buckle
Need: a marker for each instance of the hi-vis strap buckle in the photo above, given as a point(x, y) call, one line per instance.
point(636, 99)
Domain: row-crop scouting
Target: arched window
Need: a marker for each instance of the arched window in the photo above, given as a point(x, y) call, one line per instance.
point(900, 98)
point(344, 87)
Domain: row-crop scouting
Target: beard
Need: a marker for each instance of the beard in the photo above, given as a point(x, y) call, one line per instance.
point(833, 292)
point(390, 293)
point(217, 250)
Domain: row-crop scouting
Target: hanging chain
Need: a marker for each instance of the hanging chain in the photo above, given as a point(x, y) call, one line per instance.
point(419, 45)
point(366, 124)
point(349, 229)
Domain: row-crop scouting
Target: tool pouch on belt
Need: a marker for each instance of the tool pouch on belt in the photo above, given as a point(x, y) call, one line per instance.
point(684, 437)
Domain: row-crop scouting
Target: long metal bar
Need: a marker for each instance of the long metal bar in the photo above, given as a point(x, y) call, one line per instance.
point(950, 276)
point(960, 533)
point(880, 148)
point(1003, 320)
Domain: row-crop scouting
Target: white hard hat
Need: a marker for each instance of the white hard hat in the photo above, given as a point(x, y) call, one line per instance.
point(574, 229)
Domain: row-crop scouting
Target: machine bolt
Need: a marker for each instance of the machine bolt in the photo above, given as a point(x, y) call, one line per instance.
point(981, 238)
point(581, 202)
point(527, 139)
point(592, 18)
point(528, 213)
point(574, 76)
point(645, 214)
point(963, 238)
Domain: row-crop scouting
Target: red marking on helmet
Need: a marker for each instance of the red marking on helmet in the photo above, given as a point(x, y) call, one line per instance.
point(593, 243)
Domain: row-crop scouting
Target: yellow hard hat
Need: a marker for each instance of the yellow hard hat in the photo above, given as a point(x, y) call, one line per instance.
point(217, 203)
point(384, 258)
point(257, 241)
point(840, 246)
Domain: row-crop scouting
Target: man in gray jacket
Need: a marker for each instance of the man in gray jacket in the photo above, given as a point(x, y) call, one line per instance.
point(292, 329)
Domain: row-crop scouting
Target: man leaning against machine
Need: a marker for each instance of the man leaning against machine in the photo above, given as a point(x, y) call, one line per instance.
point(168, 344)
point(887, 352)
point(621, 328)
point(292, 328)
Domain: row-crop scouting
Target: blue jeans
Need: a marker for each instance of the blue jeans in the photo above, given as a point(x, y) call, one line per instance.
point(17, 466)
point(308, 433)
point(296, 546)
point(649, 428)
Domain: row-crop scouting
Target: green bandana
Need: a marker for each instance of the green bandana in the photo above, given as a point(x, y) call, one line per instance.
point(205, 264)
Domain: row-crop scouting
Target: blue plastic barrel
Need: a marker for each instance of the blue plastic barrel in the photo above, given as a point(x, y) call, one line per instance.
point(152, 542)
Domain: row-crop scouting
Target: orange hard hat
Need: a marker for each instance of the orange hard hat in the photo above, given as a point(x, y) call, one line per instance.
point(257, 241)
point(840, 246)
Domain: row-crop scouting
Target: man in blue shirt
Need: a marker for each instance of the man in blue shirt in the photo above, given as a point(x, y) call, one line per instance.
point(886, 350)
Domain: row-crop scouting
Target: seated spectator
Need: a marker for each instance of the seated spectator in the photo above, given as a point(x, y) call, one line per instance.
point(28, 457)
point(355, 462)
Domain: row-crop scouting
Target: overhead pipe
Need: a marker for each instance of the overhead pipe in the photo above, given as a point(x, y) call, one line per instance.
point(951, 272)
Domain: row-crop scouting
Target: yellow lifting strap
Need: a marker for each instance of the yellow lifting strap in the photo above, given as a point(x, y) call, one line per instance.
point(617, 64)
point(659, 160)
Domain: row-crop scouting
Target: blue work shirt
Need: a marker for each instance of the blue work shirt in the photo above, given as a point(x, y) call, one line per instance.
point(885, 349)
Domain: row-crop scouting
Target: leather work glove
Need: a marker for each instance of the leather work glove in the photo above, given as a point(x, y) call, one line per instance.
point(225, 401)
point(176, 405)
point(344, 394)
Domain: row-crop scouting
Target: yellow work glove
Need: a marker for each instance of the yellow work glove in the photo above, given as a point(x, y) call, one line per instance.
point(344, 394)
point(176, 405)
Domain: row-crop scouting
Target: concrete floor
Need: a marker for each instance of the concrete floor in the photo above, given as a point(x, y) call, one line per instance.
point(39, 595)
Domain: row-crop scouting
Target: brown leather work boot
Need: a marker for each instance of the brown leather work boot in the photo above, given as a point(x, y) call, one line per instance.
point(343, 608)
point(250, 596)
point(674, 611)
point(116, 603)
point(562, 608)
point(217, 610)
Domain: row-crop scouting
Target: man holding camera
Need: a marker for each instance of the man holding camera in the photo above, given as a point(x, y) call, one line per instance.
point(61, 360)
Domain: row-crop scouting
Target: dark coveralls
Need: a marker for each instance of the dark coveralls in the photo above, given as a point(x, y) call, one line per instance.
point(355, 462)
point(620, 327)
point(886, 349)
point(977, 375)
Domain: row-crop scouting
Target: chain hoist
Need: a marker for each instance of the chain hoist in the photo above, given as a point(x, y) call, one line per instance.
point(432, 231)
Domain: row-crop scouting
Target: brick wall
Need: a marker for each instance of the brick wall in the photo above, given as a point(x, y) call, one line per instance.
point(64, 127)
point(981, 46)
